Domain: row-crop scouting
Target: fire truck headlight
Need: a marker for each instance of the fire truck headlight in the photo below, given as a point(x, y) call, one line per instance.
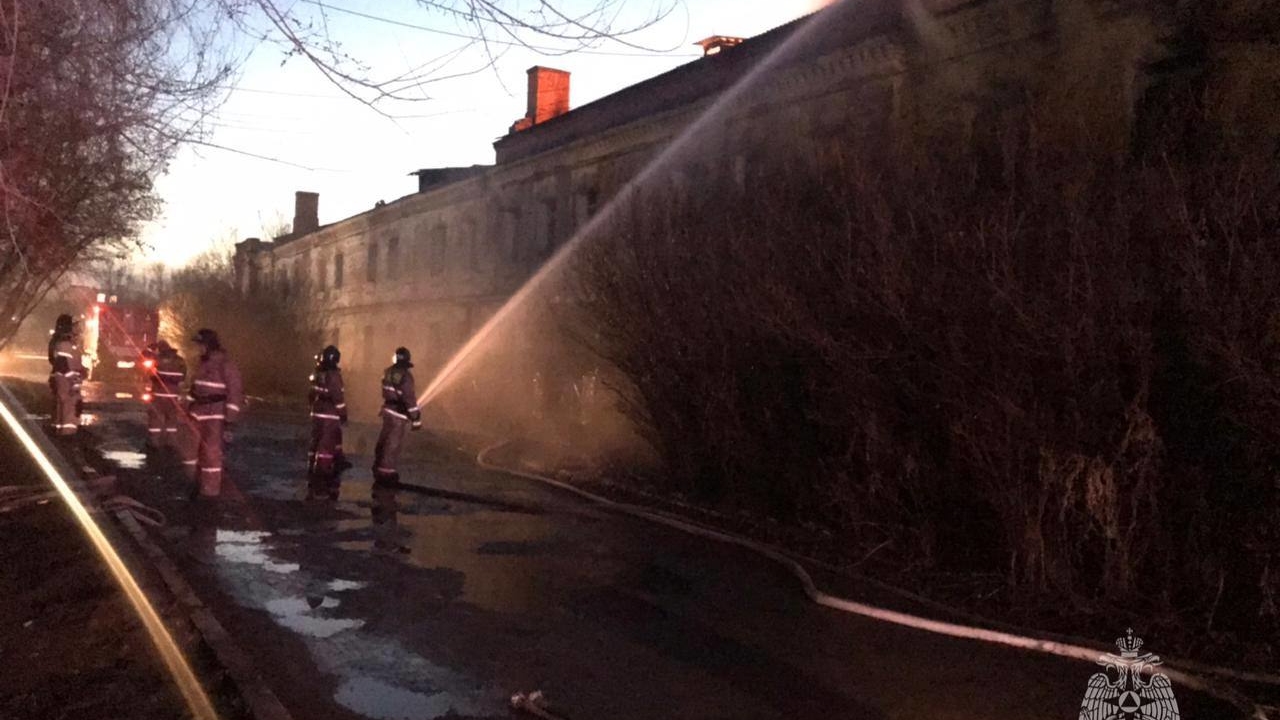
point(126, 364)
point(146, 397)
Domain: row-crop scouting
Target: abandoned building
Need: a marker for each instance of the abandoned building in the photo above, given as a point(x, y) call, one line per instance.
point(456, 249)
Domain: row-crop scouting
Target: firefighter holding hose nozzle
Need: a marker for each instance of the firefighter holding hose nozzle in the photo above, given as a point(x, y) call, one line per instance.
point(326, 460)
point(399, 408)
point(65, 376)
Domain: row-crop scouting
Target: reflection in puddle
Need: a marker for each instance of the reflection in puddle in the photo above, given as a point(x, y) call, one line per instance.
point(245, 547)
point(344, 585)
point(126, 459)
point(380, 700)
point(301, 616)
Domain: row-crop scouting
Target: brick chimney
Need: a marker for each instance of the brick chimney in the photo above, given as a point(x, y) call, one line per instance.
point(717, 43)
point(306, 212)
point(548, 97)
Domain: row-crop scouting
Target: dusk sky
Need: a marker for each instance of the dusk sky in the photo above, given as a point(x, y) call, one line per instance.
point(331, 144)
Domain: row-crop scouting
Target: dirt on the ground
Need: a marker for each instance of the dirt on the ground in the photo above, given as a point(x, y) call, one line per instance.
point(71, 646)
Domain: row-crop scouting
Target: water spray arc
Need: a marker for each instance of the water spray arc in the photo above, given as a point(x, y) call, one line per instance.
point(196, 698)
point(673, 150)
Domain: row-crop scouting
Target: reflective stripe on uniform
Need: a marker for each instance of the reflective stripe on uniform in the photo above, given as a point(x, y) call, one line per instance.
point(211, 383)
point(325, 417)
point(208, 417)
point(340, 405)
point(211, 470)
point(168, 395)
point(393, 388)
point(233, 406)
point(389, 411)
point(170, 374)
point(64, 354)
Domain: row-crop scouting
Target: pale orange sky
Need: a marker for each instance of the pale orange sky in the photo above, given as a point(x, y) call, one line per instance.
point(355, 157)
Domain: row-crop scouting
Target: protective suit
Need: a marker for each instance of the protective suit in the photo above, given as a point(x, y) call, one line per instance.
point(328, 415)
point(399, 410)
point(65, 376)
point(215, 401)
point(163, 392)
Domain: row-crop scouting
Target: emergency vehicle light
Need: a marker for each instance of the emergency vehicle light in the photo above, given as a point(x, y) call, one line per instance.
point(126, 364)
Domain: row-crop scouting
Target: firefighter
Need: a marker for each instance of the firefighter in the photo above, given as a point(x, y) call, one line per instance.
point(399, 408)
point(215, 400)
point(328, 415)
point(166, 371)
point(65, 377)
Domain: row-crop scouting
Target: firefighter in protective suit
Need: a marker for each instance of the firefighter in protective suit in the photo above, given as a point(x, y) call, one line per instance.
point(214, 403)
point(65, 376)
point(166, 370)
point(399, 408)
point(328, 415)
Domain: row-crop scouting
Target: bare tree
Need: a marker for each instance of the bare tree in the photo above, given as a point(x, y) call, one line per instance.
point(549, 27)
point(95, 96)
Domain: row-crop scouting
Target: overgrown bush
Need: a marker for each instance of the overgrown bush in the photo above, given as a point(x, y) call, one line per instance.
point(271, 337)
point(1026, 352)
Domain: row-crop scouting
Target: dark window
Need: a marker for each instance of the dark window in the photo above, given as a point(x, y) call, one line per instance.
point(476, 245)
point(393, 258)
point(513, 235)
point(439, 250)
point(550, 231)
point(593, 202)
point(371, 263)
point(320, 273)
point(337, 270)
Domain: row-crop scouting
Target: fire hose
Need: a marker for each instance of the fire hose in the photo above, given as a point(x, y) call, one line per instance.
point(938, 627)
point(18, 497)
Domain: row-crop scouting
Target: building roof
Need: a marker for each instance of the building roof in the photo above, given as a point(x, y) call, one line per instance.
point(843, 25)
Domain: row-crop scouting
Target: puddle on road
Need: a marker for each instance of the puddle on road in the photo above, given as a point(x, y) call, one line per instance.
point(382, 701)
point(302, 616)
point(127, 459)
point(245, 547)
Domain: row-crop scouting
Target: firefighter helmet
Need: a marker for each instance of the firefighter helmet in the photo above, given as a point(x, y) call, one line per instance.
point(403, 357)
point(330, 356)
point(208, 338)
point(63, 324)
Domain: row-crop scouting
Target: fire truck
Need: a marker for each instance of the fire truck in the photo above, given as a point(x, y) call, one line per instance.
point(115, 334)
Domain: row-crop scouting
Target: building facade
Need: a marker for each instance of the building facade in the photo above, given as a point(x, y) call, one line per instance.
point(427, 270)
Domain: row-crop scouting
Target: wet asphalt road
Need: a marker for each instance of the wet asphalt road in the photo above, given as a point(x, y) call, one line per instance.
point(611, 617)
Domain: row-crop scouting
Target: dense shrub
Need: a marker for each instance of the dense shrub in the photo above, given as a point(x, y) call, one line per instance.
point(273, 338)
point(1026, 352)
